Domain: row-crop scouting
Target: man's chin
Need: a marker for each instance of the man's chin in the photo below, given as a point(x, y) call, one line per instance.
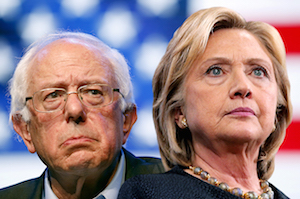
point(80, 159)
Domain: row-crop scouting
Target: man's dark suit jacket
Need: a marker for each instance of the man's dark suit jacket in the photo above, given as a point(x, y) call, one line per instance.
point(33, 189)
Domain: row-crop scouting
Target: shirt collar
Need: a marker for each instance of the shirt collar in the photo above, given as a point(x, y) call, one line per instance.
point(110, 192)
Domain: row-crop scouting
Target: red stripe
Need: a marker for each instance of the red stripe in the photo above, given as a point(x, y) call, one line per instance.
point(292, 139)
point(290, 35)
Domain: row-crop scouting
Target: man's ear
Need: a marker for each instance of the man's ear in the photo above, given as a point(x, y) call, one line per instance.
point(22, 128)
point(178, 115)
point(129, 119)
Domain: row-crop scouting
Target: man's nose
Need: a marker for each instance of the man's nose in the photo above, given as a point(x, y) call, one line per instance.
point(74, 109)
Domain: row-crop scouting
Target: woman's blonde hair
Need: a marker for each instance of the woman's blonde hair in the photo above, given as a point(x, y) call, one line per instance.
point(188, 43)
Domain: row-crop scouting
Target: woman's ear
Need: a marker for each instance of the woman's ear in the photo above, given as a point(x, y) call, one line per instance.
point(22, 128)
point(179, 117)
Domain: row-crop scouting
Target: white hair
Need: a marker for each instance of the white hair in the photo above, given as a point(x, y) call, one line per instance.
point(18, 85)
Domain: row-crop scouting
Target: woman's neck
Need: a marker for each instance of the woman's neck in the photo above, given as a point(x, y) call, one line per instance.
point(237, 168)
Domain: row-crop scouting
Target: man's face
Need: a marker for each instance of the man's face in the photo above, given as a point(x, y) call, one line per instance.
point(77, 137)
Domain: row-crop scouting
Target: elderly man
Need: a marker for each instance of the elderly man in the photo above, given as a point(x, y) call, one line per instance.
point(72, 103)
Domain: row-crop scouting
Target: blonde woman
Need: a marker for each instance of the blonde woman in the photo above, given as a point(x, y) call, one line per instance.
point(221, 108)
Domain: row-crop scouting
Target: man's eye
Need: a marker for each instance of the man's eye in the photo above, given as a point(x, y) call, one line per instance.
point(95, 92)
point(52, 95)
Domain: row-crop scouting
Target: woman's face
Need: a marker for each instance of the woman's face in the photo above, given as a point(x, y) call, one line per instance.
point(231, 91)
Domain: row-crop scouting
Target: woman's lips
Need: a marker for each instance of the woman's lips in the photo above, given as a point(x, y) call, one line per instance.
point(242, 111)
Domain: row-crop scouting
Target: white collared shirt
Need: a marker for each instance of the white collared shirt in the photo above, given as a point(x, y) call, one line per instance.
point(110, 192)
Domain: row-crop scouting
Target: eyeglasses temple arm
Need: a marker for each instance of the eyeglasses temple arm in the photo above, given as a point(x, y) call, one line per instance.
point(118, 90)
point(27, 98)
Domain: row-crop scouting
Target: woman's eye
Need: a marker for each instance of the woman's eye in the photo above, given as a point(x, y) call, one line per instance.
point(260, 72)
point(215, 71)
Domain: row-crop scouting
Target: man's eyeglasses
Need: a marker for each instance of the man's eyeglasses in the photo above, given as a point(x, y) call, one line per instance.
point(54, 99)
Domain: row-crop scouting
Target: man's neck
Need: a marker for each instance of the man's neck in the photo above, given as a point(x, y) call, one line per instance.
point(86, 184)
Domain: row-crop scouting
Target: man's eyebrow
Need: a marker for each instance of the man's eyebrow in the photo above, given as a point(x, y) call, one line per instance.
point(63, 84)
point(54, 85)
point(98, 81)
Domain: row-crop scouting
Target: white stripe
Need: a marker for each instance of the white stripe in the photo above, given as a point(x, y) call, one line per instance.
point(293, 67)
point(270, 11)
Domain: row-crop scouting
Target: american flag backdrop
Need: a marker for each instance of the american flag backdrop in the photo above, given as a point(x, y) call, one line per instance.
point(141, 30)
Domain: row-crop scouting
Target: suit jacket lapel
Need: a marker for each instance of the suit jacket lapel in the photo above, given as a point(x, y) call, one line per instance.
point(137, 166)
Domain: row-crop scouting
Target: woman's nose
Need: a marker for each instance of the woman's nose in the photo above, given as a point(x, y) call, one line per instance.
point(241, 86)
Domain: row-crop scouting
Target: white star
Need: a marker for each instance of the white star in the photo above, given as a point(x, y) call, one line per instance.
point(79, 8)
point(8, 8)
point(149, 55)
point(118, 27)
point(5, 133)
point(163, 8)
point(144, 130)
point(37, 24)
point(7, 63)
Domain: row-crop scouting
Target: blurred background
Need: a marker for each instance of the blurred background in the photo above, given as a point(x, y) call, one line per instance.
point(140, 30)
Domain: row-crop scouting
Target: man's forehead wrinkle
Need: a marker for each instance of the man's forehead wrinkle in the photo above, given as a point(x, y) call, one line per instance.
point(80, 50)
point(92, 58)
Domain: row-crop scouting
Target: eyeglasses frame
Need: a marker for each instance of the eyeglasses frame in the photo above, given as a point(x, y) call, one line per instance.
point(73, 92)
